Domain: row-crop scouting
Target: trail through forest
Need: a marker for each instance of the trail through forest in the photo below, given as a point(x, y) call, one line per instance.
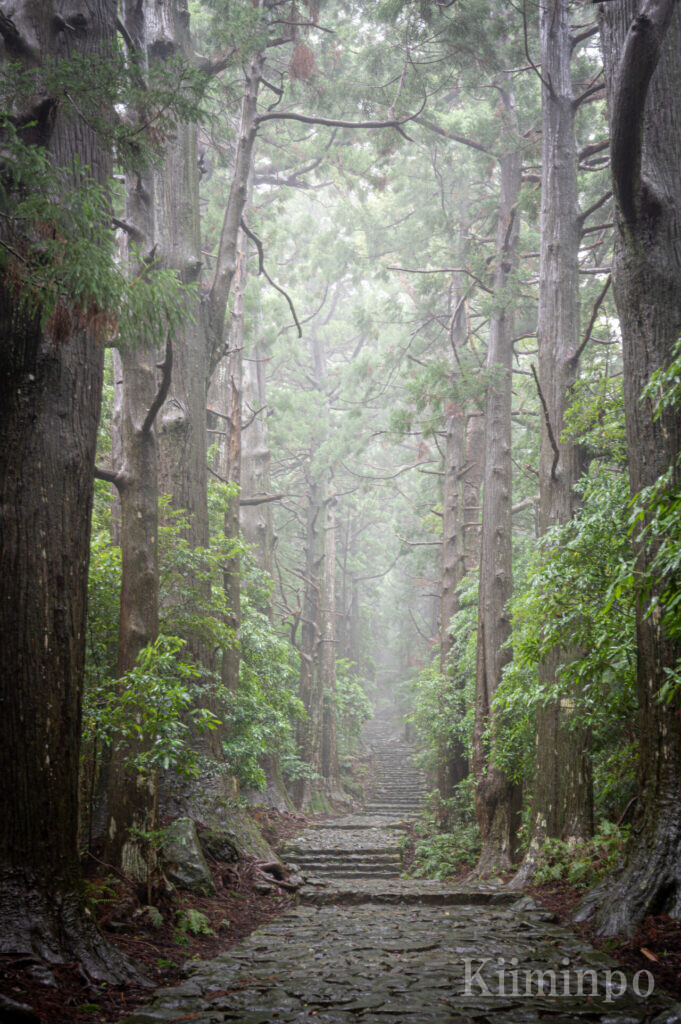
point(363, 944)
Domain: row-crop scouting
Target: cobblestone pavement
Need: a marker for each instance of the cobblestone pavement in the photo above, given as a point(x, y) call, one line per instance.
point(365, 946)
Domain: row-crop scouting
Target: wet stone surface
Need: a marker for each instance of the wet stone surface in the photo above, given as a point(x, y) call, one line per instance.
point(364, 945)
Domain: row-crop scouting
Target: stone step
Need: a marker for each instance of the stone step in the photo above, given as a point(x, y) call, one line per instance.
point(388, 856)
point(399, 891)
point(339, 874)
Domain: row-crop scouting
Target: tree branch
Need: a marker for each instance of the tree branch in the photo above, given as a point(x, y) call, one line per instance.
point(127, 38)
point(109, 476)
point(392, 122)
point(594, 206)
point(261, 499)
point(444, 270)
point(592, 320)
point(525, 503)
point(640, 56)
point(261, 270)
point(586, 34)
point(166, 368)
point(129, 229)
point(420, 543)
point(547, 419)
point(450, 135)
point(216, 63)
point(545, 82)
point(593, 148)
point(590, 93)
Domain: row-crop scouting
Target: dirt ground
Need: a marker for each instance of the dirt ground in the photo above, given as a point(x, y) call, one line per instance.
point(63, 995)
point(656, 946)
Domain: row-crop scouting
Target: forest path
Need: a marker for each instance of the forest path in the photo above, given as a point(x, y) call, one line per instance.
point(365, 946)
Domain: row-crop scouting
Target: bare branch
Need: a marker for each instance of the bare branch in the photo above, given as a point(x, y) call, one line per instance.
point(283, 115)
point(109, 476)
point(418, 628)
point(420, 543)
point(525, 503)
point(547, 420)
point(593, 148)
point(129, 229)
point(544, 81)
point(261, 499)
point(589, 94)
point(216, 63)
point(592, 320)
point(586, 34)
point(451, 135)
point(444, 270)
point(261, 270)
point(166, 368)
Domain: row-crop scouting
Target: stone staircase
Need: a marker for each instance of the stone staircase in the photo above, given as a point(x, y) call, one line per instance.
point(366, 946)
point(366, 845)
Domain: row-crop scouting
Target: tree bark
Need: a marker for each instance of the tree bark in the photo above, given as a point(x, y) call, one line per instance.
point(50, 396)
point(225, 397)
point(309, 729)
point(327, 657)
point(497, 798)
point(131, 798)
point(642, 53)
point(256, 521)
point(452, 762)
point(562, 800)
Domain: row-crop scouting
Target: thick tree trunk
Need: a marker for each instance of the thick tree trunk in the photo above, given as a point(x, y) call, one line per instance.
point(497, 798)
point(182, 422)
point(132, 797)
point(642, 52)
point(50, 395)
point(562, 801)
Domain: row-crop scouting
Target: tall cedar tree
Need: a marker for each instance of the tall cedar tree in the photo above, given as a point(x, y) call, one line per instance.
point(50, 390)
point(642, 54)
point(562, 803)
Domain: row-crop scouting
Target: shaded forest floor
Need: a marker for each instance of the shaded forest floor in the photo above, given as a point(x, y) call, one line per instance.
point(656, 946)
point(62, 995)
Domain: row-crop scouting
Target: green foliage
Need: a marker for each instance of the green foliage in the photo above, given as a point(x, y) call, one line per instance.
point(595, 417)
point(149, 712)
point(656, 522)
point(579, 596)
point(581, 864)
point(440, 854)
point(353, 707)
point(260, 712)
point(155, 916)
point(59, 250)
point(155, 706)
point(443, 705)
point(193, 922)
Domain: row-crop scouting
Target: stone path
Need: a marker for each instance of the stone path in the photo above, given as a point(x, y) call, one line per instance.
point(365, 946)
